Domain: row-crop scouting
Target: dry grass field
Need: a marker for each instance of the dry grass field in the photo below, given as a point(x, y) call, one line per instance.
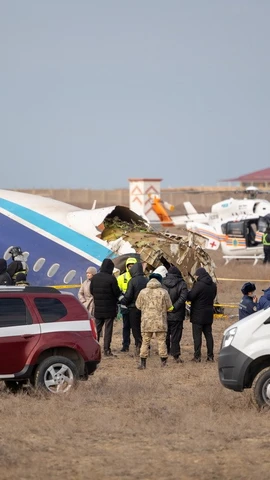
point(172, 423)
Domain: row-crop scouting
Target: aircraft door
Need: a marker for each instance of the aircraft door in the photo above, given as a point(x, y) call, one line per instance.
point(236, 234)
point(251, 229)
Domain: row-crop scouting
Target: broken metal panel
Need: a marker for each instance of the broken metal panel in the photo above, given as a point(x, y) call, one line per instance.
point(157, 248)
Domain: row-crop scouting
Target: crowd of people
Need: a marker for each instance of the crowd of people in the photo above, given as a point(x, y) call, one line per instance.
point(150, 306)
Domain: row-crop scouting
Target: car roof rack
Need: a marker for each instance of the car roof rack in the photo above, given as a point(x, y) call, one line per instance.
point(28, 289)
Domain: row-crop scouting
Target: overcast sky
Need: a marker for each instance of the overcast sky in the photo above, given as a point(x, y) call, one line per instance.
point(97, 91)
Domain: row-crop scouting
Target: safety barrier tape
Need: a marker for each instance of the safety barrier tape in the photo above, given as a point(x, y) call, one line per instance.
point(60, 287)
point(230, 305)
point(242, 280)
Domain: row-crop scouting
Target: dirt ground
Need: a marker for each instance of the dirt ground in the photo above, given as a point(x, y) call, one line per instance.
point(124, 424)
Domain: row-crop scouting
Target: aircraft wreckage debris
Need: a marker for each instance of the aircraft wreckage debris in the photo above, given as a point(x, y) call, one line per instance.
point(158, 248)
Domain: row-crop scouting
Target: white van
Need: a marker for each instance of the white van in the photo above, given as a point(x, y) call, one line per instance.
point(244, 357)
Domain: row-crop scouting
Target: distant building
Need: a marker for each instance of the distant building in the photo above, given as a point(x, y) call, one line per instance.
point(260, 179)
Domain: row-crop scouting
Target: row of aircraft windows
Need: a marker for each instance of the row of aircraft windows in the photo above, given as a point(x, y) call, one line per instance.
point(39, 264)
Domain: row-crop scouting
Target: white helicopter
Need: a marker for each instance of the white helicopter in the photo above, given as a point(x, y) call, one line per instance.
point(237, 226)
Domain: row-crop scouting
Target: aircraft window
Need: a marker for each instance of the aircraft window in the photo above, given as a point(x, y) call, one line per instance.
point(25, 256)
point(236, 229)
point(53, 269)
point(69, 276)
point(39, 264)
point(7, 255)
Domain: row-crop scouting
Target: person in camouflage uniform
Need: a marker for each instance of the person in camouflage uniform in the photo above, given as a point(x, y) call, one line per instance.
point(154, 302)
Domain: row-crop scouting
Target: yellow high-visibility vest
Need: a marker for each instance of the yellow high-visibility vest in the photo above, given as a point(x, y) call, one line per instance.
point(264, 241)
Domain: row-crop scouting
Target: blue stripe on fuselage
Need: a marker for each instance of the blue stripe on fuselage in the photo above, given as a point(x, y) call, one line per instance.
point(77, 240)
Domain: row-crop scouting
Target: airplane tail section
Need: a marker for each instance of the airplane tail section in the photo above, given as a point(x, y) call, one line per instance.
point(189, 208)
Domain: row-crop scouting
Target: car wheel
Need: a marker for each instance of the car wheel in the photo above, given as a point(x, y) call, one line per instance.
point(14, 386)
point(56, 375)
point(261, 389)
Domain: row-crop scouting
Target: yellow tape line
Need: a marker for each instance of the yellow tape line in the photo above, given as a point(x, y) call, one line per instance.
point(242, 280)
point(64, 286)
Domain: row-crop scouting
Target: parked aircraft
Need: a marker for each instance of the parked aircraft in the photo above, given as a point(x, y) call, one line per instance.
point(237, 225)
point(60, 241)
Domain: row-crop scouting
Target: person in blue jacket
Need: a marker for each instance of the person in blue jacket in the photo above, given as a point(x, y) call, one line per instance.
point(264, 301)
point(248, 304)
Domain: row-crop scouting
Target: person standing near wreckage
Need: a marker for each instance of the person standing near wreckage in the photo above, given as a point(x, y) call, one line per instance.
point(202, 297)
point(177, 289)
point(106, 292)
point(137, 283)
point(154, 302)
point(123, 281)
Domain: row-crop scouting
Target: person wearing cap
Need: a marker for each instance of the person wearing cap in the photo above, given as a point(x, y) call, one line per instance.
point(84, 294)
point(177, 289)
point(105, 290)
point(202, 297)
point(154, 302)
point(264, 301)
point(248, 304)
point(123, 281)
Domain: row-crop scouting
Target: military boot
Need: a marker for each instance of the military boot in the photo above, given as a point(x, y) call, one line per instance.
point(142, 365)
point(163, 362)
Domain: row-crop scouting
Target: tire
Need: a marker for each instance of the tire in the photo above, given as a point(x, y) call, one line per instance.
point(14, 386)
point(260, 392)
point(56, 375)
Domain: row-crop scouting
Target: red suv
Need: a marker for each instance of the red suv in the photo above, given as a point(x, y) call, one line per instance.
point(46, 338)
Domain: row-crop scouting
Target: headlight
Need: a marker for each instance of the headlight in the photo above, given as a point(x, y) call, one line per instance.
point(228, 337)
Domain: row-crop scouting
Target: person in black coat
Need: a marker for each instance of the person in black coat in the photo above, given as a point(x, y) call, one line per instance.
point(106, 292)
point(137, 282)
point(5, 278)
point(202, 297)
point(177, 289)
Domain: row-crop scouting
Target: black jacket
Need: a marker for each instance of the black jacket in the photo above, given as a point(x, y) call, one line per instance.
point(177, 289)
point(202, 297)
point(5, 278)
point(105, 291)
point(137, 282)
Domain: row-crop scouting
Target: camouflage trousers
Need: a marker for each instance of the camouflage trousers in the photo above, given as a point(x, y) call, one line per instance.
point(161, 340)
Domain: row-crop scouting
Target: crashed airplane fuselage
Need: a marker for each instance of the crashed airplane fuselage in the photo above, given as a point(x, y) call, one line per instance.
point(60, 240)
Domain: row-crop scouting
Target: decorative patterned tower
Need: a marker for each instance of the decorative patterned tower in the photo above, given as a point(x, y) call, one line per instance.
point(140, 191)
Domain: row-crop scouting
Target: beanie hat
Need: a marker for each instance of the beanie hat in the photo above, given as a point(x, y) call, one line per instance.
point(248, 287)
point(157, 276)
point(161, 271)
point(92, 270)
point(174, 271)
point(200, 272)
